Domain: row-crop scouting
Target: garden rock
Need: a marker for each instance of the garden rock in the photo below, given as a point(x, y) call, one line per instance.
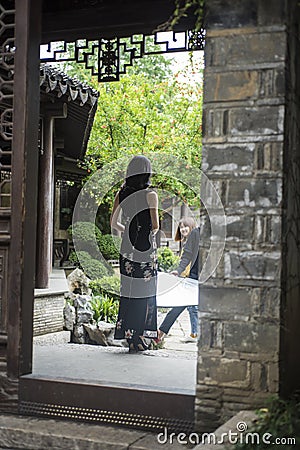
point(79, 335)
point(103, 334)
point(78, 282)
point(69, 317)
point(84, 312)
point(99, 333)
point(116, 342)
point(79, 320)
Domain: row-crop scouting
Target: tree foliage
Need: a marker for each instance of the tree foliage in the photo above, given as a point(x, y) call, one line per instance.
point(149, 111)
point(137, 116)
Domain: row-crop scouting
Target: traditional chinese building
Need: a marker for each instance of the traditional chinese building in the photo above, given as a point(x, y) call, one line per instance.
point(67, 109)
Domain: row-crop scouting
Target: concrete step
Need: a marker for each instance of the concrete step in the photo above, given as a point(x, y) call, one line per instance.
point(27, 433)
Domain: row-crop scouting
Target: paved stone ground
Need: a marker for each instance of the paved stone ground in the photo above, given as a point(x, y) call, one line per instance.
point(172, 345)
point(171, 367)
point(28, 433)
point(179, 330)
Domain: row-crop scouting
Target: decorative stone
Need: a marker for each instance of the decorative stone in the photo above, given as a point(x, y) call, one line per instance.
point(69, 317)
point(79, 320)
point(84, 312)
point(98, 334)
point(78, 282)
point(103, 334)
point(78, 335)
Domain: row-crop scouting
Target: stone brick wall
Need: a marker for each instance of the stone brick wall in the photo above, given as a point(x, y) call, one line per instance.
point(48, 314)
point(244, 106)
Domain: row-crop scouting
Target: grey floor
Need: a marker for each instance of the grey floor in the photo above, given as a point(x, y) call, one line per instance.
point(171, 369)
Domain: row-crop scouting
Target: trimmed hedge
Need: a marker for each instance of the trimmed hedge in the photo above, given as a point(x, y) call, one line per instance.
point(109, 246)
point(86, 232)
point(92, 267)
point(167, 260)
point(93, 240)
point(106, 285)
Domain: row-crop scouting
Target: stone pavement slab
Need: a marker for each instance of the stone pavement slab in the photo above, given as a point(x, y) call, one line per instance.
point(26, 433)
point(53, 354)
point(95, 364)
point(173, 366)
point(243, 420)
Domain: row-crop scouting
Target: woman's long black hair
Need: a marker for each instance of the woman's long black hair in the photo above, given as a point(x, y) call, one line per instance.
point(138, 173)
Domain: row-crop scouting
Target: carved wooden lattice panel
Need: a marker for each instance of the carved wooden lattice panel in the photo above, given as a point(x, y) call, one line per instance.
point(109, 58)
point(7, 49)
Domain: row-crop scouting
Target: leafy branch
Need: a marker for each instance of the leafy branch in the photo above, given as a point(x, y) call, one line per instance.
point(182, 9)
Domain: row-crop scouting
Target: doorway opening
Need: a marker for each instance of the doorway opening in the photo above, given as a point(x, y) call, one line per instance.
point(62, 397)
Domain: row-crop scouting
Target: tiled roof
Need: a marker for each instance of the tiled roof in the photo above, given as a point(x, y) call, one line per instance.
point(54, 80)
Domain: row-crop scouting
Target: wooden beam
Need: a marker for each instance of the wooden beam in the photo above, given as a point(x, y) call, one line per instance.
point(24, 188)
point(112, 19)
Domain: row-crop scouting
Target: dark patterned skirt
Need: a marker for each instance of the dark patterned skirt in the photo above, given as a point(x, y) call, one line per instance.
point(137, 310)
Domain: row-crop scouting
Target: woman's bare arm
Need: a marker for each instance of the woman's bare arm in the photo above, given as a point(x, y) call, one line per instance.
point(152, 200)
point(114, 223)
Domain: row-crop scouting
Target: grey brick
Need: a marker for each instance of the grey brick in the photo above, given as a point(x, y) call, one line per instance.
point(235, 85)
point(246, 49)
point(254, 192)
point(252, 265)
point(228, 158)
point(225, 300)
point(224, 371)
point(263, 120)
point(251, 337)
point(239, 14)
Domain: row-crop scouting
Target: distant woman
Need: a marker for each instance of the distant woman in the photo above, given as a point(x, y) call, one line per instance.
point(186, 268)
point(138, 263)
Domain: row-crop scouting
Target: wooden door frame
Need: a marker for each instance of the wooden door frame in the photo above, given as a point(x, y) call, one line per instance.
point(37, 396)
point(24, 188)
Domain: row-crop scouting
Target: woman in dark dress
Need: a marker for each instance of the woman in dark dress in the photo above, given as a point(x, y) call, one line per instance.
point(138, 264)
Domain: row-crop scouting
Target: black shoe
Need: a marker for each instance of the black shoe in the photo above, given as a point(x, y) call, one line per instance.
point(141, 345)
point(131, 345)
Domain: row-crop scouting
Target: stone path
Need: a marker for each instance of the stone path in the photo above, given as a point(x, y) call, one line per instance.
point(54, 357)
point(172, 345)
point(180, 330)
point(28, 433)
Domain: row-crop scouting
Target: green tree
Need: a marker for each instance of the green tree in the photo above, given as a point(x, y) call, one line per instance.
point(154, 66)
point(136, 116)
point(147, 112)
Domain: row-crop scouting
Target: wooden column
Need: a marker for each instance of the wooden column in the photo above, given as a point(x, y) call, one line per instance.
point(45, 207)
point(46, 197)
point(24, 187)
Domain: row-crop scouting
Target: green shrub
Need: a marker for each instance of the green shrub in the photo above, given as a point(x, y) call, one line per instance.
point(92, 267)
point(106, 285)
point(105, 308)
point(167, 260)
point(281, 420)
point(73, 257)
point(88, 234)
point(109, 246)
point(92, 240)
